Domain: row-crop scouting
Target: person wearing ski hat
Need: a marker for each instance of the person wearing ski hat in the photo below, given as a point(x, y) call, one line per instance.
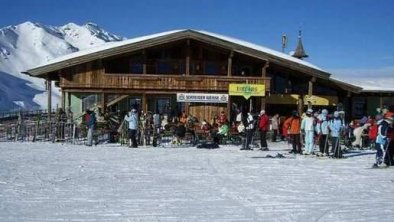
point(336, 126)
point(293, 126)
point(263, 128)
point(382, 140)
point(322, 131)
point(132, 119)
point(308, 127)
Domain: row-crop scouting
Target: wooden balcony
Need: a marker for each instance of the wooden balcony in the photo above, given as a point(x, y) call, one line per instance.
point(149, 82)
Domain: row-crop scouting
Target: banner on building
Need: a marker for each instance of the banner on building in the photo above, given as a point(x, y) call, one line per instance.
point(321, 100)
point(202, 97)
point(246, 90)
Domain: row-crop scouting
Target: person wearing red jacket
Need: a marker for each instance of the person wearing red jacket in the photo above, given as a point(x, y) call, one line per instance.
point(263, 128)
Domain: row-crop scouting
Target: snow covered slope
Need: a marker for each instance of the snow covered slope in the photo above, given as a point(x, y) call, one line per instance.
point(29, 44)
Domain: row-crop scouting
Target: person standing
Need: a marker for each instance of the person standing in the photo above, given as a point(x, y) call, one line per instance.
point(308, 126)
point(293, 125)
point(132, 119)
point(263, 128)
point(382, 141)
point(90, 120)
point(335, 127)
point(275, 127)
point(249, 130)
point(322, 131)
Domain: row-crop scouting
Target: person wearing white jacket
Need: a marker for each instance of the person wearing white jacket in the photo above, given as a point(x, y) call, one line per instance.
point(308, 127)
point(132, 119)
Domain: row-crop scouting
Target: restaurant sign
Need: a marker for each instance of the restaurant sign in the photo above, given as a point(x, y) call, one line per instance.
point(246, 90)
point(202, 97)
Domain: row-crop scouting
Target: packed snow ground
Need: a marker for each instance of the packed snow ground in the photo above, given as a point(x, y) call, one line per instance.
point(55, 182)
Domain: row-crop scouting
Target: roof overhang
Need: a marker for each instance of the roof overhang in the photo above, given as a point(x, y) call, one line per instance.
point(127, 46)
point(346, 86)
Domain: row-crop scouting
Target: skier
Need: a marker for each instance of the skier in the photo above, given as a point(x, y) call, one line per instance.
point(249, 128)
point(90, 120)
point(263, 128)
point(132, 119)
point(336, 127)
point(275, 122)
point(322, 131)
point(382, 141)
point(308, 127)
point(293, 125)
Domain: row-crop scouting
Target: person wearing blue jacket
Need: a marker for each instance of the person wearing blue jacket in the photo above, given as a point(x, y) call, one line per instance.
point(336, 126)
point(322, 131)
point(132, 119)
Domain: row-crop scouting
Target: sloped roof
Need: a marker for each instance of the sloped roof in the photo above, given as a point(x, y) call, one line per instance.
point(114, 48)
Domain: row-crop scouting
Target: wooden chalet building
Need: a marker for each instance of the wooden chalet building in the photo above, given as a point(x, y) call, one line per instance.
point(198, 72)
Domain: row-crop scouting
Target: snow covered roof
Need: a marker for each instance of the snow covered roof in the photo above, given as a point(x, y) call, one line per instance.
point(114, 48)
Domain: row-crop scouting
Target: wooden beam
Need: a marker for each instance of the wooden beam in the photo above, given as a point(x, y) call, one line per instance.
point(310, 90)
point(68, 99)
point(264, 69)
point(144, 64)
point(63, 100)
point(116, 100)
point(230, 63)
point(49, 89)
point(187, 57)
point(144, 103)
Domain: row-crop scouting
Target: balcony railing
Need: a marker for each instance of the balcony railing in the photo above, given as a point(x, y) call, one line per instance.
point(161, 82)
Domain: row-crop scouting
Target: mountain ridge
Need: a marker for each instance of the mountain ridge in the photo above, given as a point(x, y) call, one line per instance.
point(30, 44)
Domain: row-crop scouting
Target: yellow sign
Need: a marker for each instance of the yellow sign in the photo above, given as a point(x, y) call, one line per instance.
point(321, 100)
point(246, 90)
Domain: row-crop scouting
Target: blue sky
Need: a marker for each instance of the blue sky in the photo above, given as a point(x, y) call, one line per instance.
point(348, 36)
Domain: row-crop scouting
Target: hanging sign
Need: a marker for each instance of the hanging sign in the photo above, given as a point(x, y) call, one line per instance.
point(321, 100)
point(202, 97)
point(246, 90)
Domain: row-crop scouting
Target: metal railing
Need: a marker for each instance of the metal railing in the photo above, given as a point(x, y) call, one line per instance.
point(32, 131)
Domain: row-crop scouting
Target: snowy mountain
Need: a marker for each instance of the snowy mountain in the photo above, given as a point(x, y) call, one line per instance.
point(30, 44)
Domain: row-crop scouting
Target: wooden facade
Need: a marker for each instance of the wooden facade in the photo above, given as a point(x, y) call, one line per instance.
point(189, 62)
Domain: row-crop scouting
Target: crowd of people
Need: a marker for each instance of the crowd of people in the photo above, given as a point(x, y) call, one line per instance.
point(312, 133)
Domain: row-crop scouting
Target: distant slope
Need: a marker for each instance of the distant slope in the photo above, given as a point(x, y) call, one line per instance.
point(30, 44)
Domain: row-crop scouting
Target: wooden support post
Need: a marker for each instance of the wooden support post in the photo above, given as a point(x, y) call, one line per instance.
point(49, 88)
point(144, 105)
point(263, 101)
point(103, 103)
point(63, 100)
point(144, 64)
point(68, 94)
point(300, 105)
point(230, 63)
point(187, 57)
point(310, 91)
point(264, 69)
